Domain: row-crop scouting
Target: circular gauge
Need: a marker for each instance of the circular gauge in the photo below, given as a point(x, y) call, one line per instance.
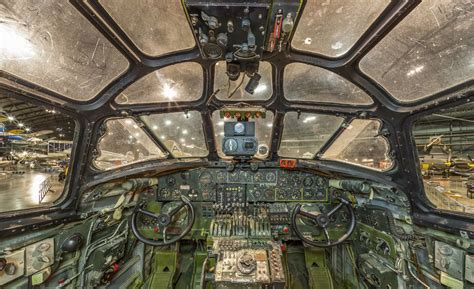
point(258, 195)
point(176, 194)
point(244, 177)
point(281, 195)
point(205, 178)
point(258, 177)
point(262, 149)
point(171, 181)
point(234, 177)
point(296, 180)
point(230, 145)
point(221, 177)
point(269, 195)
point(320, 181)
point(284, 181)
point(165, 193)
point(308, 181)
point(239, 128)
point(270, 177)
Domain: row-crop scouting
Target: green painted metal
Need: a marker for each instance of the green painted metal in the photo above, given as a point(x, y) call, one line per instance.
point(319, 275)
point(165, 264)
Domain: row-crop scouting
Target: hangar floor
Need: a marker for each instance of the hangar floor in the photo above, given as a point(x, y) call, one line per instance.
point(19, 192)
point(449, 194)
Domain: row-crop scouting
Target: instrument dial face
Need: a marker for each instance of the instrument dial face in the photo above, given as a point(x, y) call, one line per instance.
point(239, 128)
point(221, 177)
point(205, 178)
point(270, 177)
point(171, 181)
point(230, 145)
point(258, 177)
point(308, 181)
point(320, 181)
point(283, 181)
point(234, 177)
point(244, 177)
point(165, 193)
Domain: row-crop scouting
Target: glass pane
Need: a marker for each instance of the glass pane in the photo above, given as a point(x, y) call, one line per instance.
point(445, 145)
point(182, 134)
point(429, 51)
point(263, 133)
point(35, 151)
point(179, 82)
point(305, 82)
point(235, 90)
point(303, 136)
point(124, 143)
point(51, 44)
point(156, 27)
point(333, 27)
point(361, 144)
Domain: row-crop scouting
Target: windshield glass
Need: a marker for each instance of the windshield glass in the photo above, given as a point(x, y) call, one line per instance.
point(179, 82)
point(181, 133)
point(156, 27)
point(303, 82)
point(124, 142)
point(52, 45)
point(361, 144)
point(429, 51)
point(304, 134)
point(332, 27)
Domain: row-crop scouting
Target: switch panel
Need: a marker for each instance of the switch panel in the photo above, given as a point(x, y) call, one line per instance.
point(14, 266)
point(39, 255)
point(449, 259)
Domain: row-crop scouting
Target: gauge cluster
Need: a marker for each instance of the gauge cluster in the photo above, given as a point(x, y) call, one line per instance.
point(264, 185)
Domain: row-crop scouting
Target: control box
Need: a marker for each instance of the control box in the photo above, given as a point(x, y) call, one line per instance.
point(239, 139)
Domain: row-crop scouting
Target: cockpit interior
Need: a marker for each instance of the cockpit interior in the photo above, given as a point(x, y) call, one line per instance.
point(258, 144)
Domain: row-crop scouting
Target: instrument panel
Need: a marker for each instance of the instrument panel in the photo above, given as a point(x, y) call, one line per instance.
point(264, 185)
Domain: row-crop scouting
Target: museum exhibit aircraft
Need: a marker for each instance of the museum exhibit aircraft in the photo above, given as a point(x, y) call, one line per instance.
point(237, 144)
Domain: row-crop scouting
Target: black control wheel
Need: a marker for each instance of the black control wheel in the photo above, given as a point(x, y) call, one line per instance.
point(163, 220)
point(323, 221)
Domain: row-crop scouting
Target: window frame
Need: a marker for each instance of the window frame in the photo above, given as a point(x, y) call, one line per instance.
point(422, 197)
point(62, 204)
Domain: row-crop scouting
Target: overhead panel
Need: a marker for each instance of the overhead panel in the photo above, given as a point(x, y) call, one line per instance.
point(234, 90)
point(178, 82)
point(429, 51)
point(52, 45)
point(303, 82)
point(333, 27)
point(155, 27)
point(263, 131)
